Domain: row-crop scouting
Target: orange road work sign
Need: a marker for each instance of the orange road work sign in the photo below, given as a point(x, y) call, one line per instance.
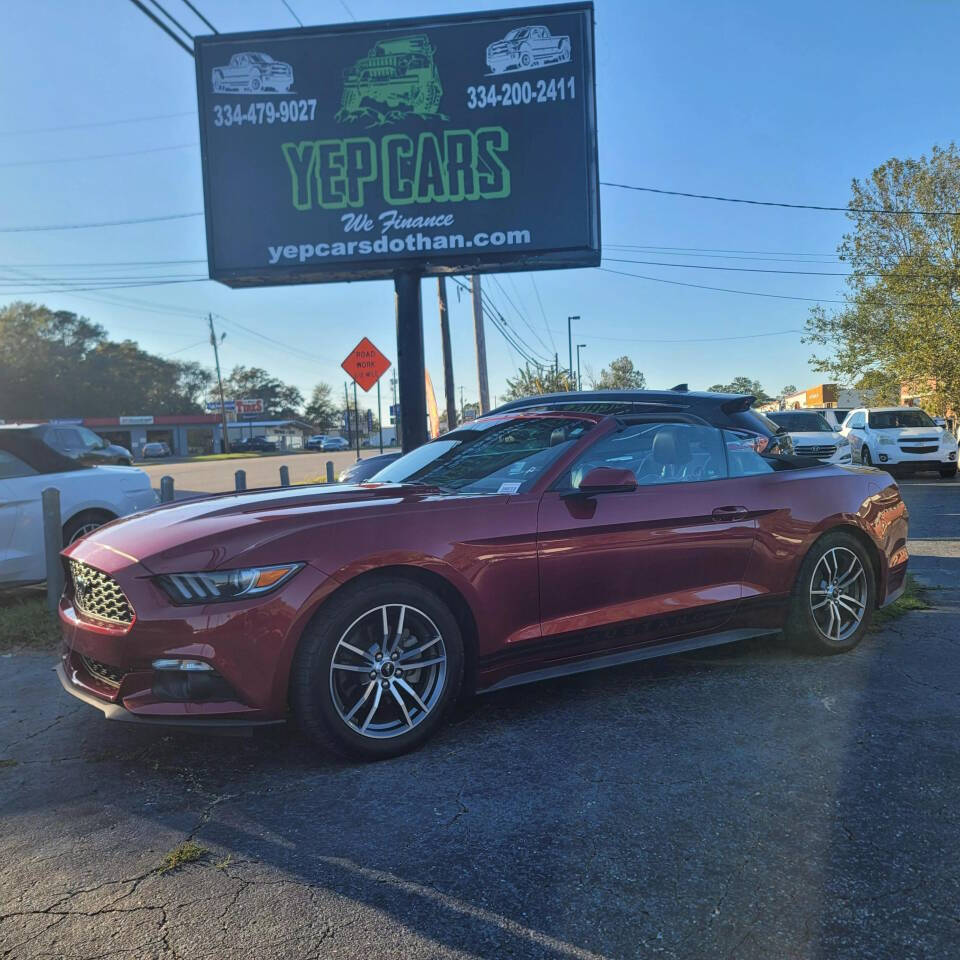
point(365, 364)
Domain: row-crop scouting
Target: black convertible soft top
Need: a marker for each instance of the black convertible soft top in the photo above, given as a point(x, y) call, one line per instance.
point(25, 443)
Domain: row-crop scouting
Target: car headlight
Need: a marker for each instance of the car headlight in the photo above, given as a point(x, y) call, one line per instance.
point(949, 441)
point(216, 586)
point(843, 442)
point(887, 441)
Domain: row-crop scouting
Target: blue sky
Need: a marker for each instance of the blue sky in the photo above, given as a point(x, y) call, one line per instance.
point(750, 99)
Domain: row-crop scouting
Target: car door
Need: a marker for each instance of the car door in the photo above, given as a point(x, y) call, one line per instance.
point(21, 551)
point(854, 429)
point(662, 561)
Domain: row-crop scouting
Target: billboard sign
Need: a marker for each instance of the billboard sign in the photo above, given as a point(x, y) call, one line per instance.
point(214, 405)
point(249, 407)
point(462, 143)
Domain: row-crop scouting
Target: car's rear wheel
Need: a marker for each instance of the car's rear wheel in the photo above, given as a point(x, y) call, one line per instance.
point(377, 669)
point(834, 596)
point(948, 472)
point(84, 523)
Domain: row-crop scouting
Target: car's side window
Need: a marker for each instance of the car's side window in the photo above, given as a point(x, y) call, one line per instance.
point(90, 440)
point(858, 421)
point(655, 453)
point(11, 466)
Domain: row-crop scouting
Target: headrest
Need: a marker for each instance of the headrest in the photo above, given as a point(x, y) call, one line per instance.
point(670, 447)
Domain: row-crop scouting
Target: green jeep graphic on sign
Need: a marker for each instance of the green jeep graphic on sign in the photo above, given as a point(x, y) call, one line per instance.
point(395, 79)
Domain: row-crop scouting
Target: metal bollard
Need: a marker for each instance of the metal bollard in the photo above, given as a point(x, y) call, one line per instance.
point(329, 471)
point(52, 545)
point(240, 480)
point(166, 489)
point(284, 476)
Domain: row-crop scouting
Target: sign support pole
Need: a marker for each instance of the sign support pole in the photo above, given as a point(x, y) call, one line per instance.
point(410, 360)
point(356, 416)
point(380, 416)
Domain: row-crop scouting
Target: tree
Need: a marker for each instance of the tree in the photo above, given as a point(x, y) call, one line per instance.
point(528, 383)
point(321, 410)
point(879, 389)
point(254, 383)
point(620, 375)
point(58, 364)
point(901, 319)
point(788, 391)
point(742, 385)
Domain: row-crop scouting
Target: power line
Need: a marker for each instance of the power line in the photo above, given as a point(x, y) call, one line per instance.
point(102, 223)
point(172, 19)
point(713, 266)
point(162, 26)
point(744, 336)
point(519, 312)
point(343, 3)
point(98, 156)
point(701, 286)
point(543, 313)
point(293, 13)
point(98, 123)
point(200, 15)
point(776, 203)
point(105, 263)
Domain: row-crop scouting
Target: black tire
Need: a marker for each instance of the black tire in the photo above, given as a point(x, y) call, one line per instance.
point(83, 523)
point(865, 457)
point(803, 628)
point(948, 473)
point(311, 684)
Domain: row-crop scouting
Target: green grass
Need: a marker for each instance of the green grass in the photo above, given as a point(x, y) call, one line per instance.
point(25, 623)
point(912, 598)
point(243, 455)
point(186, 852)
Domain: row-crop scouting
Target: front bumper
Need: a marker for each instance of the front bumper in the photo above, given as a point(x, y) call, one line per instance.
point(892, 456)
point(249, 645)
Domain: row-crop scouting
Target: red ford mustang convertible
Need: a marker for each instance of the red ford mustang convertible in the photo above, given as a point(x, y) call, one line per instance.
point(555, 535)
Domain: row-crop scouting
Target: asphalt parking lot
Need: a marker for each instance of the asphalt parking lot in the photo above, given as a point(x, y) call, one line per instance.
point(217, 476)
point(742, 802)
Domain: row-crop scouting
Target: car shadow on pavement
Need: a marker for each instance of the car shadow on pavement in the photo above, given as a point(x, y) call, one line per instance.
point(719, 802)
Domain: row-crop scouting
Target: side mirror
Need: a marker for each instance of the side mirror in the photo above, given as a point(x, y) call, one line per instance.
point(608, 480)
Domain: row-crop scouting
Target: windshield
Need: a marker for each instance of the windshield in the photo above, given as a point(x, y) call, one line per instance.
point(802, 422)
point(489, 457)
point(891, 419)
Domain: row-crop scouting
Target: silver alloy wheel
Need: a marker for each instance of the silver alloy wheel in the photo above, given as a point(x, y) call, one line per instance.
point(84, 530)
point(838, 594)
point(388, 671)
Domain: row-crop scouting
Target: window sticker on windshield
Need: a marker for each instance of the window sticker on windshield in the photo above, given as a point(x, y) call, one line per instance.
point(509, 488)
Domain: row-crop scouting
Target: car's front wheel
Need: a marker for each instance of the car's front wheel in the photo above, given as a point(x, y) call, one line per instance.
point(865, 457)
point(834, 596)
point(377, 669)
point(948, 472)
point(84, 523)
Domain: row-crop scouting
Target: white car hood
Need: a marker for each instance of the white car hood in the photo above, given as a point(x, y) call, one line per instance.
point(814, 438)
point(911, 433)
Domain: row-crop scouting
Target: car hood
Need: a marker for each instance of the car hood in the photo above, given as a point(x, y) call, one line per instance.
point(814, 437)
point(910, 433)
point(241, 529)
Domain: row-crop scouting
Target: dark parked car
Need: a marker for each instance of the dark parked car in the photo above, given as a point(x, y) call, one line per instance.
point(254, 443)
point(365, 469)
point(525, 545)
point(81, 444)
point(334, 443)
point(156, 448)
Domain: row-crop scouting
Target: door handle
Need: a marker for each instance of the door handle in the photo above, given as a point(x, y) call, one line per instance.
point(723, 514)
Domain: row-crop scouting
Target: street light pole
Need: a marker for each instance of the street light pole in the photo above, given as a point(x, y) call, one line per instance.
point(570, 342)
point(580, 346)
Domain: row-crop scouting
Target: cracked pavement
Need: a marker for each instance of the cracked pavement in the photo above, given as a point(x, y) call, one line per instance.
point(742, 802)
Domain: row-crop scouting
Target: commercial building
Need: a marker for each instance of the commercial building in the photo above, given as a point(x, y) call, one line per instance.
point(820, 395)
point(187, 435)
point(286, 434)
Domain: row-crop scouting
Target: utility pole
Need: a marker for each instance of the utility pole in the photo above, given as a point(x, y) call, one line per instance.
point(570, 341)
point(356, 416)
point(580, 346)
point(346, 409)
point(223, 406)
point(461, 403)
point(449, 391)
point(481, 343)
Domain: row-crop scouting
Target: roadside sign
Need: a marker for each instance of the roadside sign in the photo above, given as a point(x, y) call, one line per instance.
point(365, 364)
point(461, 143)
point(214, 405)
point(247, 407)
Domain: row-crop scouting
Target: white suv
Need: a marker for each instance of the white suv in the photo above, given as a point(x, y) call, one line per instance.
point(904, 437)
point(813, 436)
point(833, 415)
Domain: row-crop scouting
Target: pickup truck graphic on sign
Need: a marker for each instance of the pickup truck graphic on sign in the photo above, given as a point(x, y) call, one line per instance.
point(396, 78)
point(253, 73)
point(527, 48)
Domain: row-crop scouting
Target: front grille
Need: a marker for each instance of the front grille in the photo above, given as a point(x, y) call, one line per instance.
point(97, 595)
point(814, 450)
point(112, 676)
point(918, 449)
